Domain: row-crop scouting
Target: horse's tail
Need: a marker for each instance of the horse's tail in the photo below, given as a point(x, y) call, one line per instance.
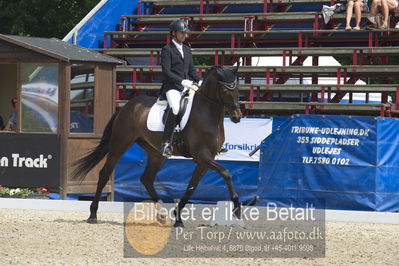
point(94, 156)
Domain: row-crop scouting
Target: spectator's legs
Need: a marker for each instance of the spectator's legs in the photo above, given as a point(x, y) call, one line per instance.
point(374, 8)
point(373, 12)
point(389, 5)
point(358, 14)
point(349, 11)
point(385, 13)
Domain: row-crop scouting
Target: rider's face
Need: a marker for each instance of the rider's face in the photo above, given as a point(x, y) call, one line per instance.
point(180, 36)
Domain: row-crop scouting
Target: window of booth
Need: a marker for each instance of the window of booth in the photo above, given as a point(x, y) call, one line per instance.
point(82, 98)
point(39, 97)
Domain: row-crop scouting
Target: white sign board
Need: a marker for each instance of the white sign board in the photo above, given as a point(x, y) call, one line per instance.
point(244, 137)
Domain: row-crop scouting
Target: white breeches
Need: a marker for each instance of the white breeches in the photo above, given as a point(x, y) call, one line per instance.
point(173, 97)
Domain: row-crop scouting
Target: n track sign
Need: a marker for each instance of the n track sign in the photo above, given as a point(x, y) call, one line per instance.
point(29, 160)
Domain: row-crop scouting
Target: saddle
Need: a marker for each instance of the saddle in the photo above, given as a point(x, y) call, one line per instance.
point(156, 116)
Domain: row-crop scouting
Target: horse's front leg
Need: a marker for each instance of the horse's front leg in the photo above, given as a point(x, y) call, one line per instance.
point(198, 173)
point(227, 176)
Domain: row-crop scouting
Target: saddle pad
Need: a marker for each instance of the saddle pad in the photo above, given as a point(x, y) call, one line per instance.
point(154, 120)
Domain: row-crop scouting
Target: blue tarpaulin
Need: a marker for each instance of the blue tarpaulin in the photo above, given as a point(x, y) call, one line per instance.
point(351, 162)
point(107, 18)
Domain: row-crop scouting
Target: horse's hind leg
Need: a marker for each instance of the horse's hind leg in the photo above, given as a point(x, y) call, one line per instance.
point(155, 161)
point(113, 157)
point(198, 173)
point(102, 181)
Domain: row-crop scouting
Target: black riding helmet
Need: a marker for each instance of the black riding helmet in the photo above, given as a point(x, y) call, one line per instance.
point(178, 25)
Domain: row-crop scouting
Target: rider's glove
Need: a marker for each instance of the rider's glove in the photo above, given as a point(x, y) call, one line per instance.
point(186, 83)
point(200, 83)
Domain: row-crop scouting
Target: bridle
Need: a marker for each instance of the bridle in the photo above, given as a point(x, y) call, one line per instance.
point(229, 86)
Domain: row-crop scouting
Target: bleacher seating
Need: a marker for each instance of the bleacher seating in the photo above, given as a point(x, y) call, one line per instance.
point(224, 31)
point(265, 38)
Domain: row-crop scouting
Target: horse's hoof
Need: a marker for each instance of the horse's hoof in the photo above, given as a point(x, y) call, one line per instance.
point(161, 218)
point(92, 220)
point(178, 224)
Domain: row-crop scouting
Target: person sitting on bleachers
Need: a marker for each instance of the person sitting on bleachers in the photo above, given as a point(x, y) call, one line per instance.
point(384, 6)
point(358, 6)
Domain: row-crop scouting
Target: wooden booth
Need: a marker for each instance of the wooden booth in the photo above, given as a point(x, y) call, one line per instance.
point(64, 98)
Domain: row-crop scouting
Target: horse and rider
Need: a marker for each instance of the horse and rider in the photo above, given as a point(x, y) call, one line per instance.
point(201, 139)
point(177, 66)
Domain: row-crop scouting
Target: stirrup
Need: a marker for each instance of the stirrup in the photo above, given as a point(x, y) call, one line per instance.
point(166, 149)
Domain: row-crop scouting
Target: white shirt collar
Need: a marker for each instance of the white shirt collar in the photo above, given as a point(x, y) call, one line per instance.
point(179, 47)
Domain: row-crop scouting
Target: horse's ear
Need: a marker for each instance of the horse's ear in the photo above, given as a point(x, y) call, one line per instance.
point(235, 70)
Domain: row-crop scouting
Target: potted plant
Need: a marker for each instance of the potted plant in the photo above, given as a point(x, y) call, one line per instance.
point(40, 193)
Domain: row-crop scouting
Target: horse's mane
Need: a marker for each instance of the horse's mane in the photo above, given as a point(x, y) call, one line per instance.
point(211, 70)
point(227, 76)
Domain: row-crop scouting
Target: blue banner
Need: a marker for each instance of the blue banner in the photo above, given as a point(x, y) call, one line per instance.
point(351, 162)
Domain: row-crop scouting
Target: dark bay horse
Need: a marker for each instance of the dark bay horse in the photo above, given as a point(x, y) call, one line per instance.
point(201, 139)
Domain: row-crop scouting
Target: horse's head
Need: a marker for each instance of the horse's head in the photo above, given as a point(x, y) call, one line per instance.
point(226, 92)
point(228, 86)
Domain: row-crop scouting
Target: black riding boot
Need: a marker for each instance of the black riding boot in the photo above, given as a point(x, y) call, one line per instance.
point(166, 148)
